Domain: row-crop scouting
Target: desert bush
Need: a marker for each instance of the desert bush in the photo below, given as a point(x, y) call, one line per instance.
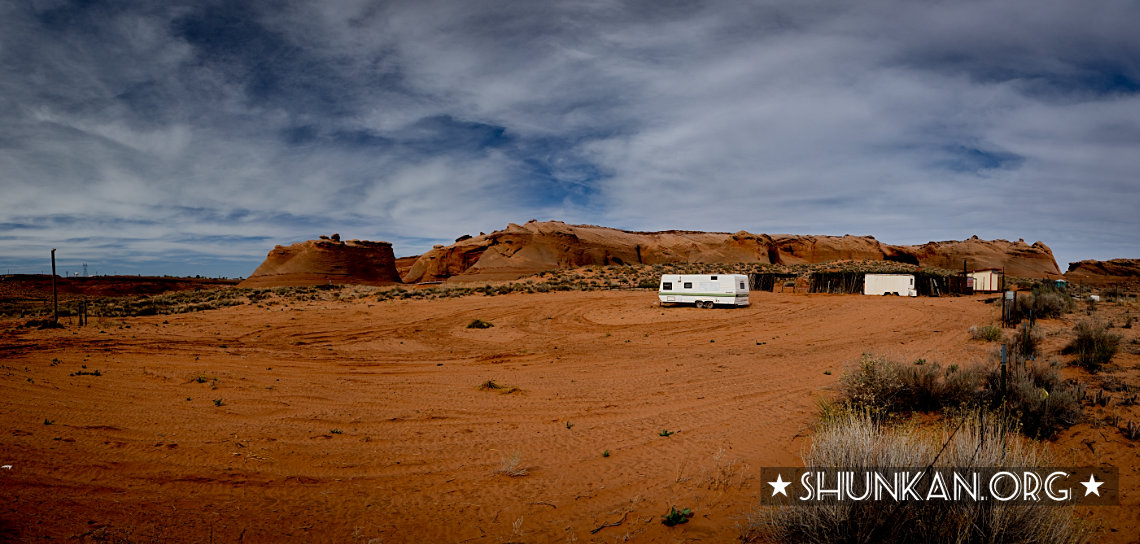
point(1026, 341)
point(1046, 301)
point(856, 440)
point(1036, 398)
point(872, 383)
point(1094, 346)
point(989, 333)
point(1052, 304)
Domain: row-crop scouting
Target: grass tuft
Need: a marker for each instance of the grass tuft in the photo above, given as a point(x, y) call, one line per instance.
point(511, 465)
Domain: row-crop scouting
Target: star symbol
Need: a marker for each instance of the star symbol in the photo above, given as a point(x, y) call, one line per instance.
point(1092, 486)
point(779, 486)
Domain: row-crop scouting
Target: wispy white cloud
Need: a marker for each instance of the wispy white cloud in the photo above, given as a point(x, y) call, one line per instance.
point(189, 137)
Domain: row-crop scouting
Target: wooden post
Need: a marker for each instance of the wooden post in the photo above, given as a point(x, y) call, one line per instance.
point(54, 294)
point(1002, 386)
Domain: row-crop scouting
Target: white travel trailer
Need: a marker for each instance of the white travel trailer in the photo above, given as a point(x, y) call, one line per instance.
point(889, 284)
point(704, 290)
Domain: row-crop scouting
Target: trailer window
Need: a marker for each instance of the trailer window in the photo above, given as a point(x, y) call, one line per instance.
point(668, 286)
point(742, 285)
point(712, 277)
point(688, 285)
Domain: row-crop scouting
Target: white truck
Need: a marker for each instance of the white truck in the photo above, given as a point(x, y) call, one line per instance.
point(704, 290)
point(889, 284)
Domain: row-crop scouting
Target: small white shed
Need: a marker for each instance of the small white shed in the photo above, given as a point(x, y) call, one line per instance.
point(986, 280)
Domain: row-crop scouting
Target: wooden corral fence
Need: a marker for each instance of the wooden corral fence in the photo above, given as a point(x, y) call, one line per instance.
point(836, 282)
point(929, 284)
point(768, 281)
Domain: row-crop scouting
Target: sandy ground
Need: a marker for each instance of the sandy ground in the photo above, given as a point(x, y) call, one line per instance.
point(364, 422)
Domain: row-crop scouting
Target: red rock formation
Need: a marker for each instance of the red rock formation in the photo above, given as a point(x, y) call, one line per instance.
point(1018, 258)
point(324, 261)
point(1105, 273)
point(520, 250)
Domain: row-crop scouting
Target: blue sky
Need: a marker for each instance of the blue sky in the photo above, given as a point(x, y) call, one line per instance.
point(191, 137)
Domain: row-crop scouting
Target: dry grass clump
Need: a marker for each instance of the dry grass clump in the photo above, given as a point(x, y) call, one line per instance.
point(857, 440)
point(724, 473)
point(511, 465)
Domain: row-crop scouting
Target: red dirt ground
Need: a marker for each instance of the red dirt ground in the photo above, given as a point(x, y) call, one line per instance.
point(363, 421)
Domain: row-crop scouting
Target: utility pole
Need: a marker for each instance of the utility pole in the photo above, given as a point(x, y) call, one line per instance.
point(54, 294)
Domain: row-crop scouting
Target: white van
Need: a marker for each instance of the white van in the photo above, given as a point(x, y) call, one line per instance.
point(704, 290)
point(889, 284)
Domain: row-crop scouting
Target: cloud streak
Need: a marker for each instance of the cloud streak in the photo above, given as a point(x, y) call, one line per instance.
point(190, 137)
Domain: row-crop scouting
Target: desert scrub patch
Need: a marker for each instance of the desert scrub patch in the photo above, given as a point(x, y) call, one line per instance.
point(883, 386)
point(480, 324)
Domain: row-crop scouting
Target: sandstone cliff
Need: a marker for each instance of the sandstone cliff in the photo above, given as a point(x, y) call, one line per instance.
point(520, 250)
point(1105, 273)
point(324, 261)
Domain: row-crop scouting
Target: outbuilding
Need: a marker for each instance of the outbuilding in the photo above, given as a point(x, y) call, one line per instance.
point(987, 280)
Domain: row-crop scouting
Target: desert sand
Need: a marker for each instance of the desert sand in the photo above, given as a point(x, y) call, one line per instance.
point(363, 421)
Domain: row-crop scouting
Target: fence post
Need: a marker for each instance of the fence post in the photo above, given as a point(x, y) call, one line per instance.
point(1001, 389)
point(54, 294)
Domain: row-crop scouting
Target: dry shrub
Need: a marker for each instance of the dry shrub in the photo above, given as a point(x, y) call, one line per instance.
point(1045, 302)
point(989, 333)
point(1094, 346)
point(856, 440)
point(882, 387)
point(1037, 398)
point(1026, 341)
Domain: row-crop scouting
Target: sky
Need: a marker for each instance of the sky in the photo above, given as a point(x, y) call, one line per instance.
point(189, 138)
